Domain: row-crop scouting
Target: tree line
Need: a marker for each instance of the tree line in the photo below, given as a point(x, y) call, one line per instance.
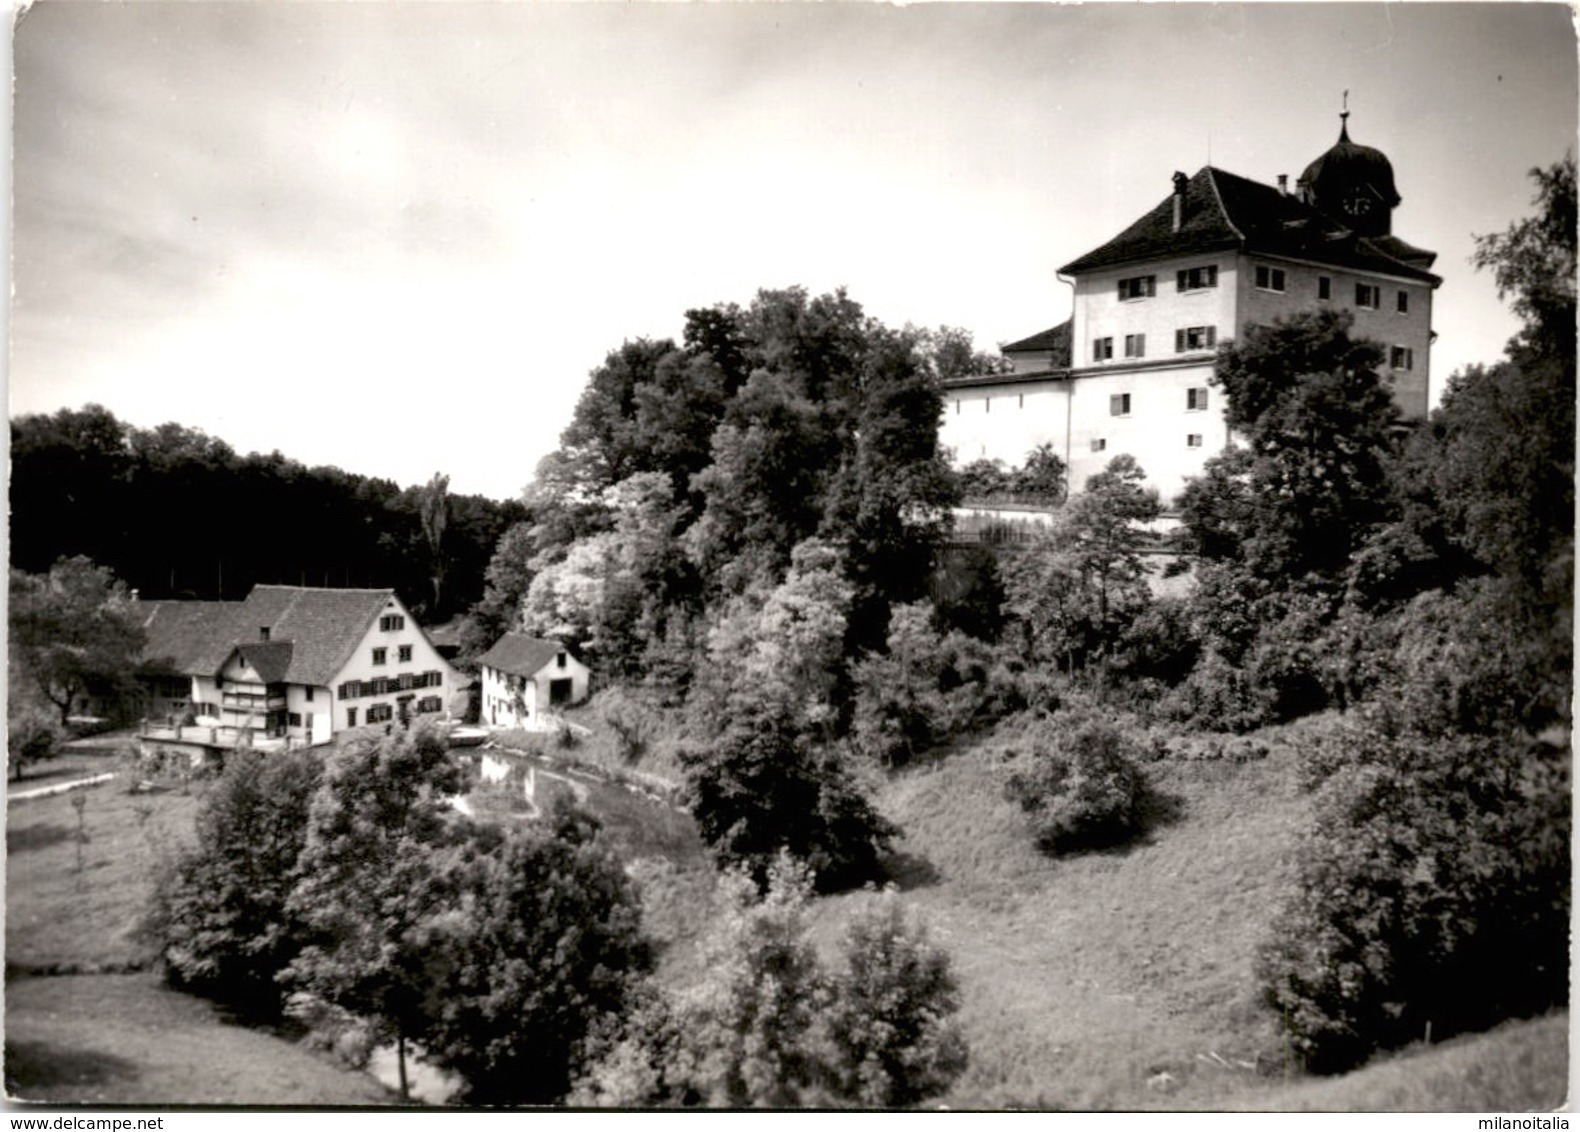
point(175, 513)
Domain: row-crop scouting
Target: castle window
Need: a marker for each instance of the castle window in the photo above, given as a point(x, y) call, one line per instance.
point(1140, 287)
point(1368, 296)
point(1119, 405)
point(1324, 287)
point(1193, 440)
point(1269, 278)
point(380, 655)
point(1099, 445)
point(1135, 345)
point(404, 653)
point(1102, 349)
point(1196, 278)
point(1196, 399)
point(1402, 357)
point(1404, 302)
point(1195, 338)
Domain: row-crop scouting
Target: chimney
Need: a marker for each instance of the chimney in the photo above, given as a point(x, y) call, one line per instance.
point(1180, 181)
point(1283, 184)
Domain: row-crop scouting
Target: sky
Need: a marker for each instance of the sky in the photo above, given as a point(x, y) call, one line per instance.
point(396, 237)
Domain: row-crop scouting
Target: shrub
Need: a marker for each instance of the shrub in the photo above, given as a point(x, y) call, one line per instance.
point(1433, 889)
point(766, 785)
point(1077, 778)
point(890, 1017)
point(220, 912)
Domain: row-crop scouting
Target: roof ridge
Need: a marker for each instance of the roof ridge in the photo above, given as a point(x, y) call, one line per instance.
point(1223, 208)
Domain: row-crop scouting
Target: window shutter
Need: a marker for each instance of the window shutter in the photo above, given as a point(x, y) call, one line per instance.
point(1141, 345)
point(1212, 336)
point(1122, 283)
point(1179, 341)
point(1201, 398)
point(1179, 280)
point(1152, 286)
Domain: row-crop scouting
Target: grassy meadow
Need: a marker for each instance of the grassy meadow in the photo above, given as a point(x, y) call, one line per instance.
point(1115, 980)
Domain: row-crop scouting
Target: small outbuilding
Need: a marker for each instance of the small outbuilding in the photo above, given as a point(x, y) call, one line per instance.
point(525, 678)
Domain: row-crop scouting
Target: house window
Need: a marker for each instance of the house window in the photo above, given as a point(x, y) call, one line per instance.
point(1196, 278)
point(1193, 440)
point(1140, 287)
point(380, 656)
point(1119, 405)
point(309, 696)
point(1196, 399)
point(1324, 287)
point(1368, 296)
point(1195, 338)
point(1102, 349)
point(1403, 302)
point(294, 718)
point(560, 660)
point(1135, 345)
point(1402, 357)
point(390, 622)
point(351, 717)
point(403, 653)
point(1269, 278)
point(380, 713)
point(1099, 445)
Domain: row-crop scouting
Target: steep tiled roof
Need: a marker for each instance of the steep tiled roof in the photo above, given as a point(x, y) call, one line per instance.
point(520, 655)
point(1223, 211)
point(1055, 338)
point(323, 626)
point(180, 632)
point(270, 659)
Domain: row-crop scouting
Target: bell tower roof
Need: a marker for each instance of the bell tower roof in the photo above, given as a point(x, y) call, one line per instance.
point(1353, 183)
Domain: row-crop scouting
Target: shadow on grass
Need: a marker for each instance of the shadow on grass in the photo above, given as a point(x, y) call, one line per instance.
point(32, 1066)
point(908, 872)
point(24, 838)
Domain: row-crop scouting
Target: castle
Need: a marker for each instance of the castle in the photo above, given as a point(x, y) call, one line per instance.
point(1129, 371)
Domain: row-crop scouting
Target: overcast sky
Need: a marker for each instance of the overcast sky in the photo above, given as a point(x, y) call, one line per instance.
point(396, 237)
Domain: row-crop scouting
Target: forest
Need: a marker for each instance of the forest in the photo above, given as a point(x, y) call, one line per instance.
point(746, 535)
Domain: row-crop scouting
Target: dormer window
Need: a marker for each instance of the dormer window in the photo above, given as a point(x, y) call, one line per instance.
point(263, 632)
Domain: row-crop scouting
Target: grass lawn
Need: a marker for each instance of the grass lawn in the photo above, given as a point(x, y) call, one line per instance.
point(127, 1040)
point(122, 1038)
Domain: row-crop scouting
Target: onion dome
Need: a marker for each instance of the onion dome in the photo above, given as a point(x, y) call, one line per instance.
point(1353, 183)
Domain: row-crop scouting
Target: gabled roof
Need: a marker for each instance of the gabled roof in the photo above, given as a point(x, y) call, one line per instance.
point(269, 659)
point(1222, 211)
point(180, 632)
point(520, 655)
point(1055, 338)
point(323, 626)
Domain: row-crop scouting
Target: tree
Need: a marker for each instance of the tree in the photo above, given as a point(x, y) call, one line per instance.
point(890, 1014)
point(32, 734)
point(1075, 591)
point(220, 912)
point(378, 875)
point(766, 786)
point(433, 507)
point(1043, 477)
point(753, 1023)
point(73, 630)
point(1534, 261)
point(543, 951)
point(1318, 421)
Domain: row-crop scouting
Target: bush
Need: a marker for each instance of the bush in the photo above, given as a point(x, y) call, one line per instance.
point(1078, 779)
point(220, 912)
point(1433, 890)
point(890, 1017)
point(767, 785)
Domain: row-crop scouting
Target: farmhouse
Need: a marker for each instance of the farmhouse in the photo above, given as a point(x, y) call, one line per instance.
point(1129, 372)
point(524, 677)
point(292, 665)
